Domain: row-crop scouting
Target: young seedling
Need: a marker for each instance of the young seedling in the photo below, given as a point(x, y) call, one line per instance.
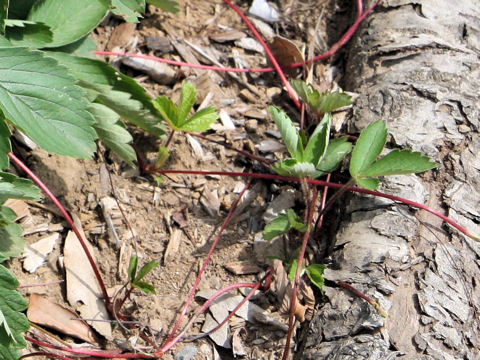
point(318, 157)
point(135, 279)
point(320, 103)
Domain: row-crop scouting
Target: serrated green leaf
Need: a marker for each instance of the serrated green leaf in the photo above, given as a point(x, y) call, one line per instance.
point(187, 100)
point(82, 48)
point(201, 120)
point(369, 145)
point(167, 5)
point(112, 132)
point(295, 221)
point(317, 145)
point(5, 146)
point(303, 90)
point(146, 287)
point(13, 187)
point(27, 33)
point(115, 90)
point(11, 305)
point(336, 151)
point(145, 270)
point(399, 162)
point(293, 269)
point(315, 274)
point(39, 97)
point(3, 14)
point(69, 20)
point(287, 129)
point(168, 110)
point(332, 101)
point(130, 10)
point(278, 226)
point(132, 267)
point(370, 183)
point(12, 243)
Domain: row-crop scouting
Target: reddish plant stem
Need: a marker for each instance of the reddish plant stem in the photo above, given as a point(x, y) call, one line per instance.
point(69, 220)
point(343, 40)
point(45, 354)
point(329, 184)
point(242, 152)
point(363, 296)
point(170, 137)
point(306, 236)
point(204, 307)
point(205, 262)
point(319, 222)
point(269, 53)
point(107, 354)
point(40, 284)
point(254, 288)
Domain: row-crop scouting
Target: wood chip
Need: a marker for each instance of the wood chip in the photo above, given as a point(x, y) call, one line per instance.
point(242, 267)
point(173, 246)
point(121, 36)
point(20, 208)
point(225, 35)
point(44, 312)
point(83, 291)
point(160, 72)
point(36, 254)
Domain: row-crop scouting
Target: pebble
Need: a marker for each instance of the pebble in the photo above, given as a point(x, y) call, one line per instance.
point(251, 125)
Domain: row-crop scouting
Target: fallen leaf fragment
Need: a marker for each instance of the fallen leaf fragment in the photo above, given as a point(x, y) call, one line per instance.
point(83, 290)
point(219, 337)
point(36, 254)
point(44, 312)
point(173, 245)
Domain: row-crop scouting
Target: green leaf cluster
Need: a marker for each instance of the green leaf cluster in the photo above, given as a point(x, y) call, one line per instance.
point(320, 103)
point(365, 167)
point(13, 322)
point(282, 224)
point(317, 157)
point(314, 273)
point(135, 278)
point(178, 117)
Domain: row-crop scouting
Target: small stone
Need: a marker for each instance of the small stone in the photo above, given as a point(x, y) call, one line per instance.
point(273, 91)
point(464, 128)
point(251, 125)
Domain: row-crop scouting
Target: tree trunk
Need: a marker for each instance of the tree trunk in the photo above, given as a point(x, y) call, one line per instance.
point(416, 66)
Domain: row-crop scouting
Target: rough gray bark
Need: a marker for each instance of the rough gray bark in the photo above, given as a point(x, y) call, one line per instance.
point(416, 65)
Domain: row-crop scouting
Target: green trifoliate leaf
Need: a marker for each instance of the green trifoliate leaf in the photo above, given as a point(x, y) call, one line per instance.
point(287, 129)
point(167, 5)
point(130, 10)
point(399, 162)
point(201, 120)
point(315, 274)
point(369, 145)
point(336, 152)
point(112, 132)
point(14, 187)
point(15, 322)
point(187, 100)
point(278, 226)
point(318, 143)
point(69, 20)
point(39, 97)
point(28, 33)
